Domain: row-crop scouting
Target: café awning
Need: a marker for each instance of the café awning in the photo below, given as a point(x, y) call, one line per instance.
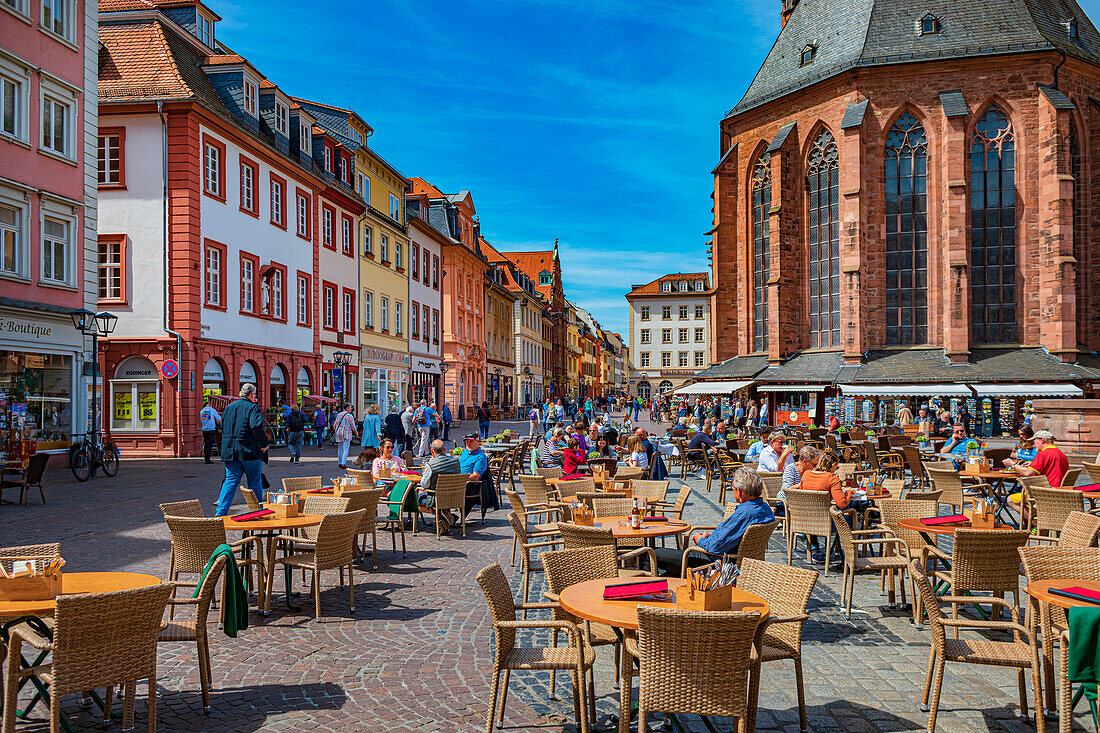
point(905, 390)
point(791, 387)
point(1027, 390)
point(712, 387)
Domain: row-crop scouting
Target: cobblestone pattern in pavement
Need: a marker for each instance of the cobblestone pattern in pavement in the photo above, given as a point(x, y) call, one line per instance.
point(416, 654)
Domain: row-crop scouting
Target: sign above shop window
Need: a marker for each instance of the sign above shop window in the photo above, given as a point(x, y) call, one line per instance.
point(421, 364)
point(247, 374)
point(303, 377)
point(213, 372)
point(135, 367)
point(278, 376)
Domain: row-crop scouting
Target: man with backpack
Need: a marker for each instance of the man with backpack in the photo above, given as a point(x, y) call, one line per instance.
point(295, 433)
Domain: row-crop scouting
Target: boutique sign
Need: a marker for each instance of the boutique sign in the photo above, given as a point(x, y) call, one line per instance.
point(38, 331)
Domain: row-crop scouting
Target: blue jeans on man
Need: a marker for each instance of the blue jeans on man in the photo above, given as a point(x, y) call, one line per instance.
point(234, 471)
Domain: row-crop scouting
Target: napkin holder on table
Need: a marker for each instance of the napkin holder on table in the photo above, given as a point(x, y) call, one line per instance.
point(982, 465)
point(25, 586)
point(979, 520)
point(715, 599)
point(583, 517)
point(282, 509)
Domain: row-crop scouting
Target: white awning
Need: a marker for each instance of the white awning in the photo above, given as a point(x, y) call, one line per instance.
point(905, 390)
point(791, 387)
point(1027, 390)
point(712, 388)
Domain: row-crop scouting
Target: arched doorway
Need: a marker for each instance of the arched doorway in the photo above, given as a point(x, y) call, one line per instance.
point(664, 386)
point(213, 378)
point(644, 390)
point(277, 385)
point(247, 375)
point(135, 396)
point(304, 384)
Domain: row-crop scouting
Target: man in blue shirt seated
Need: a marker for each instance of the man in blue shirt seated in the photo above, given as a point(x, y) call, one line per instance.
point(758, 447)
point(726, 537)
point(474, 462)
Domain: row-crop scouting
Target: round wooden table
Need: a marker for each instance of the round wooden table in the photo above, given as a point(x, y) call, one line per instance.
point(585, 600)
point(1039, 591)
point(648, 530)
point(610, 495)
point(267, 528)
point(926, 530)
point(76, 583)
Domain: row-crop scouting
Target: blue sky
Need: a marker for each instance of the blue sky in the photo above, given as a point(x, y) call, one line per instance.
point(594, 122)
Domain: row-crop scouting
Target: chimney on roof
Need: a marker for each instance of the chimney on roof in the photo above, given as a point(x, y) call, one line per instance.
point(788, 8)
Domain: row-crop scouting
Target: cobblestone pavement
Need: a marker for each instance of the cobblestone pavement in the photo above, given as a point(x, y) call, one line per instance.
point(416, 654)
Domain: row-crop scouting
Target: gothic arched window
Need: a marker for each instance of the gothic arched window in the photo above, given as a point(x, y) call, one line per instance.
point(823, 182)
point(993, 230)
point(761, 203)
point(906, 233)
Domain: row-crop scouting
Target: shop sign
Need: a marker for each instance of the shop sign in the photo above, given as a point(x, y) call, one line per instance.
point(278, 377)
point(212, 372)
point(338, 381)
point(247, 374)
point(123, 406)
point(135, 367)
point(303, 378)
point(147, 404)
point(390, 357)
point(421, 364)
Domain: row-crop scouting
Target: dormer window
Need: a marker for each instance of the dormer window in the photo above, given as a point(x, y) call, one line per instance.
point(666, 287)
point(355, 136)
point(699, 286)
point(545, 278)
point(282, 118)
point(328, 159)
point(204, 29)
point(1071, 28)
point(304, 136)
point(344, 169)
point(807, 56)
point(929, 25)
point(251, 92)
point(683, 286)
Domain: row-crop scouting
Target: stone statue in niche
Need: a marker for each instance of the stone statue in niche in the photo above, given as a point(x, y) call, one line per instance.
point(265, 296)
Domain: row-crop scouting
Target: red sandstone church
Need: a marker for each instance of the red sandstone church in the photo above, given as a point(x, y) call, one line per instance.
point(907, 206)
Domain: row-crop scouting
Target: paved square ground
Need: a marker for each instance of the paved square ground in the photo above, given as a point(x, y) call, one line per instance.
point(416, 654)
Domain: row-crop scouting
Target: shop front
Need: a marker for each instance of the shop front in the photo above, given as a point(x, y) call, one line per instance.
point(424, 379)
point(278, 385)
point(40, 364)
point(795, 404)
point(135, 397)
point(385, 376)
point(213, 379)
point(304, 385)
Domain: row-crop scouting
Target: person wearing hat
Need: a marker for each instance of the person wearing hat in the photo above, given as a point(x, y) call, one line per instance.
point(1049, 461)
point(474, 462)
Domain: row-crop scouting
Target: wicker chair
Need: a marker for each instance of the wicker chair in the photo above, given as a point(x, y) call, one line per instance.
point(194, 629)
point(925, 496)
point(1022, 652)
point(250, 499)
point(787, 591)
point(577, 658)
point(302, 483)
point(548, 471)
point(529, 551)
point(569, 567)
point(893, 511)
point(1079, 530)
point(186, 508)
point(26, 478)
point(720, 468)
point(333, 548)
point(450, 494)
point(753, 546)
point(615, 506)
point(544, 529)
point(1069, 478)
point(576, 537)
point(611, 465)
point(365, 479)
point(997, 456)
point(916, 467)
point(9, 554)
point(981, 561)
point(536, 494)
point(675, 509)
point(808, 514)
point(99, 640)
point(1050, 508)
point(194, 540)
point(695, 662)
point(850, 540)
point(366, 499)
point(630, 473)
point(1093, 470)
point(651, 489)
point(948, 480)
point(575, 486)
point(773, 483)
point(886, 463)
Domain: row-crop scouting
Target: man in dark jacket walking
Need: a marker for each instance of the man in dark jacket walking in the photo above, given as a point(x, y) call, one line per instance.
point(244, 442)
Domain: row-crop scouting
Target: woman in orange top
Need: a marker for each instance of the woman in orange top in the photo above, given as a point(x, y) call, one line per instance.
point(823, 478)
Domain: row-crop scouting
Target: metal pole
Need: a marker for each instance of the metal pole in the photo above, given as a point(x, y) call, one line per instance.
point(95, 369)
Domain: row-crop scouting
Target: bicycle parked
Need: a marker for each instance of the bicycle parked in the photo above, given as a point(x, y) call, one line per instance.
point(88, 455)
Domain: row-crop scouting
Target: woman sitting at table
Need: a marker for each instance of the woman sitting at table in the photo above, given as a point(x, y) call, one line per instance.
point(822, 477)
point(573, 457)
point(638, 456)
point(605, 448)
point(1024, 450)
point(386, 461)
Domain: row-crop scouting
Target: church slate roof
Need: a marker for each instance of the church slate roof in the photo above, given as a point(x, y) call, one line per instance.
point(808, 367)
point(737, 367)
point(855, 33)
point(922, 366)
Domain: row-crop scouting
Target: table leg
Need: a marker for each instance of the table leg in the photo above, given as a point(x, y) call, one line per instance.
point(1048, 657)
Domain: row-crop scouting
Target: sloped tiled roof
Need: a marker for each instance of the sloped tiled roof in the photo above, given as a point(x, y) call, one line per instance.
point(531, 264)
point(918, 366)
point(419, 186)
point(741, 367)
point(118, 6)
point(652, 288)
point(855, 33)
point(135, 62)
point(814, 367)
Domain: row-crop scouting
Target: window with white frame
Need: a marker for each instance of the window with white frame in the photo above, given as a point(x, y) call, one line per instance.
point(683, 312)
point(305, 135)
point(328, 159)
point(212, 163)
point(682, 359)
point(19, 6)
point(645, 312)
point(14, 100)
point(384, 247)
point(248, 280)
point(698, 359)
point(643, 359)
point(251, 94)
point(343, 168)
point(57, 125)
point(698, 335)
point(345, 237)
point(212, 279)
point(699, 286)
point(276, 202)
point(56, 248)
point(397, 259)
point(414, 261)
point(425, 334)
point(326, 227)
point(368, 309)
point(364, 186)
point(666, 335)
point(435, 326)
point(204, 28)
point(349, 312)
point(368, 244)
point(57, 17)
point(277, 287)
point(12, 239)
point(645, 335)
point(282, 118)
point(435, 272)
point(666, 287)
point(384, 314)
point(109, 158)
point(427, 265)
point(666, 312)
point(330, 307)
point(398, 321)
point(683, 286)
point(304, 296)
point(698, 312)
point(666, 358)
point(354, 135)
point(303, 216)
point(395, 208)
point(110, 269)
point(683, 336)
point(248, 187)
point(414, 320)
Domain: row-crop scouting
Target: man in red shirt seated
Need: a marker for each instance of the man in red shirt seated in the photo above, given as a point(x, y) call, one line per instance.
point(1049, 461)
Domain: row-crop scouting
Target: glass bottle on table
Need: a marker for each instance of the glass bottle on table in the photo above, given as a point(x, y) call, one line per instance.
point(635, 515)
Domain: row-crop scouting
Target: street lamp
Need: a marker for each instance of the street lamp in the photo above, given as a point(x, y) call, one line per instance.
point(98, 324)
point(341, 359)
point(443, 368)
